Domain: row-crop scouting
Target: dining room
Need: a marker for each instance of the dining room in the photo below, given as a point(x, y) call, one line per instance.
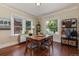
point(39, 29)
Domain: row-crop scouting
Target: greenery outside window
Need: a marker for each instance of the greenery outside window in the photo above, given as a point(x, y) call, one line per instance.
point(53, 25)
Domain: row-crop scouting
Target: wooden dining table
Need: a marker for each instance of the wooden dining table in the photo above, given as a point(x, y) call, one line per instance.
point(38, 38)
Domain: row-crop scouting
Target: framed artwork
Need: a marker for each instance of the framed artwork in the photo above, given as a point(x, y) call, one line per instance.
point(5, 24)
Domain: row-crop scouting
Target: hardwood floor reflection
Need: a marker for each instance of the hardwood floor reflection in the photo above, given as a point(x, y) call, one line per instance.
point(42, 51)
point(58, 50)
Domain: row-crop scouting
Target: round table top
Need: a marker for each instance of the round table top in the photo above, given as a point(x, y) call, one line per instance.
point(36, 37)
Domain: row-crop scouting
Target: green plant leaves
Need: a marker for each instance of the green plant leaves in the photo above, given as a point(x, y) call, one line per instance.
point(52, 25)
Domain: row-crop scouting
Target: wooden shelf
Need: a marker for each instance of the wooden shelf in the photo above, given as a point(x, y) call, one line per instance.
point(68, 27)
point(70, 40)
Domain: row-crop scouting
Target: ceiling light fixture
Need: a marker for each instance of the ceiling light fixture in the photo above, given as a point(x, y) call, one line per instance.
point(37, 4)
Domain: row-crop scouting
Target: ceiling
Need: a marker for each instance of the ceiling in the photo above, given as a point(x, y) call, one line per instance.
point(44, 8)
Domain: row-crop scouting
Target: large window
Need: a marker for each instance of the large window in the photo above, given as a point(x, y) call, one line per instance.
point(5, 23)
point(28, 26)
point(17, 25)
point(52, 25)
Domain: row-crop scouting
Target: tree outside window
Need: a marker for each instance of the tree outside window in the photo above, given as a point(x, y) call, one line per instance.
point(52, 25)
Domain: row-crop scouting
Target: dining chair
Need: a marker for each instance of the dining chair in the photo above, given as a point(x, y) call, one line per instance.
point(48, 42)
point(30, 44)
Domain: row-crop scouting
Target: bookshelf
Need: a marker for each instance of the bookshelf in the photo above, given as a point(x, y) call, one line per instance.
point(69, 32)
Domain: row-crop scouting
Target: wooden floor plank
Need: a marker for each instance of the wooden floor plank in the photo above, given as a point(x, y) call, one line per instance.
point(58, 50)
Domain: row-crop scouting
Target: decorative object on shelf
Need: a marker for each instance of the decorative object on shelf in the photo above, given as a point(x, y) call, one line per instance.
point(30, 33)
point(5, 23)
point(74, 33)
point(69, 32)
point(38, 28)
point(68, 23)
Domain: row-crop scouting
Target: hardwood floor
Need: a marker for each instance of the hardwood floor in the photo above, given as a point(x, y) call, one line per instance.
point(58, 50)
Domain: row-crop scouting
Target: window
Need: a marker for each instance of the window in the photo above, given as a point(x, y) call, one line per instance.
point(17, 25)
point(52, 25)
point(28, 26)
point(4, 23)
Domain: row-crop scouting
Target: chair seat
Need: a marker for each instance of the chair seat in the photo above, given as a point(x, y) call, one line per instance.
point(33, 45)
point(45, 44)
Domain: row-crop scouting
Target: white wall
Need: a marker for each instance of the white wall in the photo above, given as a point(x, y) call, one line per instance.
point(71, 12)
point(5, 35)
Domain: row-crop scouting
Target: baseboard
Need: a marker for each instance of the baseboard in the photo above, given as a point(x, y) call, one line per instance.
point(7, 45)
point(22, 42)
point(10, 45)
